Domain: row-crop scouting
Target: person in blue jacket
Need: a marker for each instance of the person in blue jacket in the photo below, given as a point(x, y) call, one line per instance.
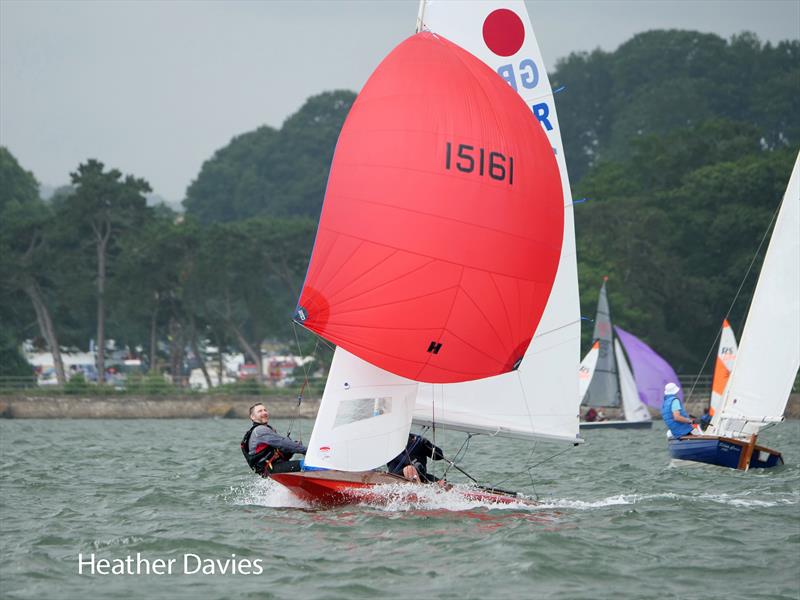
point(675, 415)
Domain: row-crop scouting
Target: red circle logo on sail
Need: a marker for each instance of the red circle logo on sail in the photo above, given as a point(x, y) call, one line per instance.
point(503, 32)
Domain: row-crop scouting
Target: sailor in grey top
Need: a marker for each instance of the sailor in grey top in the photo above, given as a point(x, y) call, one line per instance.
point(265, 450)
point(266, 435)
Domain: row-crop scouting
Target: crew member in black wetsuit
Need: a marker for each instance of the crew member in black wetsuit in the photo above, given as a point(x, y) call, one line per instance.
point(265, 450)
point(412, 463)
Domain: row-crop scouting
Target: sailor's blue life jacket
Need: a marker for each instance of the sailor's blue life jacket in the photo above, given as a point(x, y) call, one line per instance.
point(677, 428)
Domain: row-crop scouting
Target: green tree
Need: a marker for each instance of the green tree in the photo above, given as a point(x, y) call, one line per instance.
point(661, 81)
point(272, 172)
point(16, 184)
point(103, 206)
point(28, 264)
point(147, 283)
point(675, 228)
point(246, 278)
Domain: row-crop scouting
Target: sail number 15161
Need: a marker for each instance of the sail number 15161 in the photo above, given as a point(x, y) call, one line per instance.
point(471, 159)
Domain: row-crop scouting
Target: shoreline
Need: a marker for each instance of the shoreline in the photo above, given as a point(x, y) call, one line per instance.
point(194, 407)
point(151, 407)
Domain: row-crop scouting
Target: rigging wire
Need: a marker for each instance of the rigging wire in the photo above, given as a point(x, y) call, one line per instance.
point(452, 462)
point(735, 298)
point(305, 377)
point(529, 468)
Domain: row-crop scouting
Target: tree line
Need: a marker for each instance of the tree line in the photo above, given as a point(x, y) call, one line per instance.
point(96, 261)
point(681, 143)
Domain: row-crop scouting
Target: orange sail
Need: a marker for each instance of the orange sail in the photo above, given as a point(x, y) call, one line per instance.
point(726, 356)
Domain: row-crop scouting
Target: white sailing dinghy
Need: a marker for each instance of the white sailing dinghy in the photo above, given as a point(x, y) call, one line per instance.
point(768, 356)
point(451, 295)
point(610, 381)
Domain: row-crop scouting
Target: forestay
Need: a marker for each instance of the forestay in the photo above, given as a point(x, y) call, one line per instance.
point(769, 349)
point(540, 399)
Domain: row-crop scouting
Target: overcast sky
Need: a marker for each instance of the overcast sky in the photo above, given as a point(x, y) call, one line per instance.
point(154, 88)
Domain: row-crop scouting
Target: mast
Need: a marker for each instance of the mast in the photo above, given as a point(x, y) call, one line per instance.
point(421, 15)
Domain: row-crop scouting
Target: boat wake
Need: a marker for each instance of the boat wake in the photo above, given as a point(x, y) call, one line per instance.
point(459, 497)
point(396, 498)
point(264, 492)
point(741, 502)
point(738, 501)
point(388, 498)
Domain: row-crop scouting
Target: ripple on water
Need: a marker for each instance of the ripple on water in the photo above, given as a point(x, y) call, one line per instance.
point(611, 516)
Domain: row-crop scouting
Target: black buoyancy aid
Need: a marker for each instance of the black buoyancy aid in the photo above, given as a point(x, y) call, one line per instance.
point(261, 461)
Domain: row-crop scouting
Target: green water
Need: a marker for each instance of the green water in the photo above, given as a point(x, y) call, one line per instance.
point(617, 520)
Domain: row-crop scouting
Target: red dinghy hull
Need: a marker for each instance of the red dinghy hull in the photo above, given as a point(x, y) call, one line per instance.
point(335, 488)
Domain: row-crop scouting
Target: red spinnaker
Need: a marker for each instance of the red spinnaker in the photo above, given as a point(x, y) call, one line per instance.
point(442, 225)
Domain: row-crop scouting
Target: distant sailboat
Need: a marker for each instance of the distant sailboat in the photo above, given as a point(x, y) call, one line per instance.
point(606, 379)
point(432, 293)
point(768, 356)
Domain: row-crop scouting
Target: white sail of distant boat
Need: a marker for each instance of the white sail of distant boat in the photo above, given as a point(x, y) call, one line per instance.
point(532, 401)
point(632, 405)
point(769, 350)
point(726, 356)
point(586, 370)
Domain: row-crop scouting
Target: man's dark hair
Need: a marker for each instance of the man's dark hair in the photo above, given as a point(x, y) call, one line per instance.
point(254, 405)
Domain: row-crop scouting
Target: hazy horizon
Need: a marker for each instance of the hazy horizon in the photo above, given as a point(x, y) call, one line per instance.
point(154, 89)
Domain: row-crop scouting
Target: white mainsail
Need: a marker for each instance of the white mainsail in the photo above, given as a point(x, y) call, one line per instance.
point(726, 356)
point(540, 399)
point(769, 351)
point(632, 406)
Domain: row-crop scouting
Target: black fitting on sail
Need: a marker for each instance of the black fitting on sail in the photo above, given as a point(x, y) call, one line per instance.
point(517, 363)
point(434, 347)
point(300, 315)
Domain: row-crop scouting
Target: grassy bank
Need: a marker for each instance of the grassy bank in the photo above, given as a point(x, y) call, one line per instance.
point(131, 406)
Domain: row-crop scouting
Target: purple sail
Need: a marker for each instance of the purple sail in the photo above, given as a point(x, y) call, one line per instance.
point(651, 371)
